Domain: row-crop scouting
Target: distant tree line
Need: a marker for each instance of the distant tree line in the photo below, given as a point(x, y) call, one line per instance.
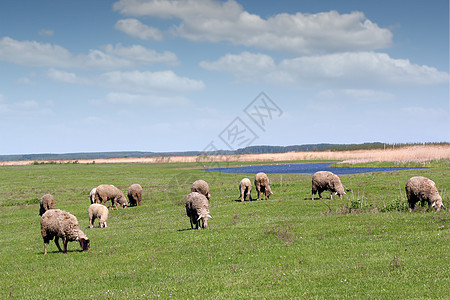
point(246, 150)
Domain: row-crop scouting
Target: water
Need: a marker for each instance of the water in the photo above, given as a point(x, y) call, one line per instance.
point(308, 169)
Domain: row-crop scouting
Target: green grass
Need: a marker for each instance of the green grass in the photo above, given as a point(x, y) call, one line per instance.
point(285, 247)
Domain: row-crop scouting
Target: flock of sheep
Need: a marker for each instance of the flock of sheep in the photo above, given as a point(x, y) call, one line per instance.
point(56, 223)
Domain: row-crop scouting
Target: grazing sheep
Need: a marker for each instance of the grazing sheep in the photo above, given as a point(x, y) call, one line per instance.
point(197, 209)
point(245, 188)
point(262, 185)
point(47, 202)
point(100, 212)
point(327, 181)
point(105, 192)
point(92, 195)
point(422, 189)
point(200, 186)
point(135, 194)
point(56, 223)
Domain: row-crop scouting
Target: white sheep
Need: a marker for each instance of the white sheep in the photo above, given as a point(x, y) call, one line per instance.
point(92, 195)
point(47, 202)
point(135, 194)
point(202, 187)
point(197, 209)
point(100, 212)
point(422, 189)
point(262, 185)
point(245, 188)
point(107, 192)
point(56, 223)
point(327, 181)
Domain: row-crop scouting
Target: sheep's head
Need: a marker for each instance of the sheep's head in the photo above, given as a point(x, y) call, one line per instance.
point(204, 218)
point(268, 192)
point(437, 203)
point(123, 201)
point(84, 243)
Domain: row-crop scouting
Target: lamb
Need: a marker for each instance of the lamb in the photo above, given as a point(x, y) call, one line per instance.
point(92, 195)
point(262, 185)
point(135, 194)
point(197, 209)
point(327, 181)
point(105, 192)
point(100, 212)
point(47, 202)
point(422, 189)
point(200, 186)
point(56, 223)
point(245, 188)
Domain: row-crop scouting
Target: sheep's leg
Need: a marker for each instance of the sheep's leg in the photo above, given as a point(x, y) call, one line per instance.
point(242, 196)
point(57, 243)
point(45, 247)
point(65, 244)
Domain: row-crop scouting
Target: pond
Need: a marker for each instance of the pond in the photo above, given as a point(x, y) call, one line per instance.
point(308, 169)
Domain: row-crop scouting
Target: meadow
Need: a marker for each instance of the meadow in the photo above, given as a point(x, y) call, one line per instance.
point(364, 246)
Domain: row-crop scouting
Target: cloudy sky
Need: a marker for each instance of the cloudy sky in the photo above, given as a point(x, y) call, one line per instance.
point(174, 75)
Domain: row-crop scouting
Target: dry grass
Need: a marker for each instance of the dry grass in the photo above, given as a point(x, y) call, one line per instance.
point(402, 154)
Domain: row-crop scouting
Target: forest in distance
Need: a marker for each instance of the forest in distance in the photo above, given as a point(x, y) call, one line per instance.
point(247, 150)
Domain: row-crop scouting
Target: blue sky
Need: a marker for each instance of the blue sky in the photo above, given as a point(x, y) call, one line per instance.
point(135, 75)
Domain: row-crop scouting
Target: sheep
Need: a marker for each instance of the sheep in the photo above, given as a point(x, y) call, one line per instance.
point(245, 188)
point(327, 181)
point(105, 192)
point(100, 212)
point(135, 194)
point(47, 202)
point(92, 195)
point(202, 187)
point(56, 223)
point(197, 209)
point(262, 185)
point(422, 189)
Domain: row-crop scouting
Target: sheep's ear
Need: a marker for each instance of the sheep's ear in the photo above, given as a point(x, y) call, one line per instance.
point(199, 218)
point(433, 204)
point(209, 216)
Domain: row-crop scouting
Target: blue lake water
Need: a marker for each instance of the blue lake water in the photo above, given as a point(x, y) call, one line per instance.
point(308, 169)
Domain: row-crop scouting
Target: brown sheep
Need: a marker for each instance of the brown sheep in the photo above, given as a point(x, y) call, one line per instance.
point(327, 181)
point(47, 202)
point(106, 192)
point(135, 194)
point(197, 209)
point(262, 185)
point(202, 187)
point(56, 223)
point(245, 188)
point(422, 189)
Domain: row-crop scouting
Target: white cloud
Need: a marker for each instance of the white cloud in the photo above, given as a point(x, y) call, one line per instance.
point(32, 53)
point(355, 95)
point(135, 28)
point(46, 32)
point(24, 108)
point(25, 81)
point(66, 77)
point(147, 81)
point(361, 70)
point(141, 54)
point(299, 33)
point(134, 100)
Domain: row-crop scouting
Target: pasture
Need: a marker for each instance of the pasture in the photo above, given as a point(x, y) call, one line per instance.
point(364, 246)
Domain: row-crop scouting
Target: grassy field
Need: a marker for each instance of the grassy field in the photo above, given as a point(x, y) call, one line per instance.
point(365, 246)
